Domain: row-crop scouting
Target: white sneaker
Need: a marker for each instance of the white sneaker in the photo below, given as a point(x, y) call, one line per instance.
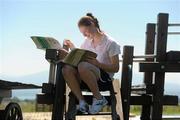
point(83, 106)
point(97, 105)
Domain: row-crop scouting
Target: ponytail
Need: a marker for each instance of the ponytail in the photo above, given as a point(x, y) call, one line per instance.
point(88, 20)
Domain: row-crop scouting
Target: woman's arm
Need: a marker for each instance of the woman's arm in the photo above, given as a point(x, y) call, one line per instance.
point(113, 67)
point(69, 44)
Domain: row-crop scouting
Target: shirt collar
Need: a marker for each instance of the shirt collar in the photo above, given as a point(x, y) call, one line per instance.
point(102, 40)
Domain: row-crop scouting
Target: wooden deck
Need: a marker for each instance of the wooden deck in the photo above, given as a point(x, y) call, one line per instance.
point(47, 116)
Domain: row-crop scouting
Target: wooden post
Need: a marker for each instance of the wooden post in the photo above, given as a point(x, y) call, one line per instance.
point(148, 76)
point(162, 30)
point(59, 100)
point(119, 110)
point(149, 49)
point(126, 79)
point(5, 93)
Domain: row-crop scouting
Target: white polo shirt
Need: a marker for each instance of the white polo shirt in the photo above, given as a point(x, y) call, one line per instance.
point(104, 50)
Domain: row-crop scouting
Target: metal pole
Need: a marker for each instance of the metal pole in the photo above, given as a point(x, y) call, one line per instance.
point(174, 25)
point(144, 56)
point(173, 33)
point(59, 97)
point(135, 61)
point(52, 73)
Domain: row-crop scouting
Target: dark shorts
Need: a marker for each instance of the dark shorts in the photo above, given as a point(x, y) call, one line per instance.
point(105, 81)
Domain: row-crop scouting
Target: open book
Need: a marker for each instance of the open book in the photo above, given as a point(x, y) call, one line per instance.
point(72, 58)
point(46, 42)
point(78, 55)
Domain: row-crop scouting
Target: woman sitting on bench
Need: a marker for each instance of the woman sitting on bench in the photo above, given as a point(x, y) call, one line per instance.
point(90, 72)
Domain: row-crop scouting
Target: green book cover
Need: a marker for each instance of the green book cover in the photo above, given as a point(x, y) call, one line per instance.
point(77, 55)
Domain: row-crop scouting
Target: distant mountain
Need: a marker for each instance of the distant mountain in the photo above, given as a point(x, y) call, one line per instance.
point(37, 79)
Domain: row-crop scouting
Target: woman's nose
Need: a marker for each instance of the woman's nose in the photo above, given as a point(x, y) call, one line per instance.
point(85, 35)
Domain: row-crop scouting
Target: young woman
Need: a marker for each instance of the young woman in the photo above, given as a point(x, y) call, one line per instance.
point(90, 72)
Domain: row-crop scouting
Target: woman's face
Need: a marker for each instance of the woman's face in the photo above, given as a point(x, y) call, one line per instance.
point(88, 31)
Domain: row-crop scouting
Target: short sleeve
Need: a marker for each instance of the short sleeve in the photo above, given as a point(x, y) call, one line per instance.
point(114, 49)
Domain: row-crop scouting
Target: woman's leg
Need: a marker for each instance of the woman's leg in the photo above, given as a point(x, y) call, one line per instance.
point(71, 76)
point(90, 74)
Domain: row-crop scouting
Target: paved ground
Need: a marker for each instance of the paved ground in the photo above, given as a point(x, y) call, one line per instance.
point(47, 116)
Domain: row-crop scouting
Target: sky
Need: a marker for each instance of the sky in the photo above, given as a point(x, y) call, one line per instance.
point(124, 20)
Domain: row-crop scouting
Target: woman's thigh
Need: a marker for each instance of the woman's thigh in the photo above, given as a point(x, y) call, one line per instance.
point(84, 66)
point(69, 70)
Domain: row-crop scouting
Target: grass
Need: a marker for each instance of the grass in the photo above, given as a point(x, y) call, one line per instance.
point(171, 110)
point(26, 105)
point(167, 110)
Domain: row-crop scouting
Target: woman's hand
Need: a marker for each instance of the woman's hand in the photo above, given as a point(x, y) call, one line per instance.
point(68, 43)
point(62, 53)
point(93, 61)
point(112, 67)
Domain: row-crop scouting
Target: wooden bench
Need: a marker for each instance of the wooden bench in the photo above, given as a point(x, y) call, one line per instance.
point(114, 100)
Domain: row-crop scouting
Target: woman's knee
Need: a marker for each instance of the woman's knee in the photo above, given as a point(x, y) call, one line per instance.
point(83, 67)
point(67, 70)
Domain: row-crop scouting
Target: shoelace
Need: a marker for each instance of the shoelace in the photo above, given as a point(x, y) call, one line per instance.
point(98, 102)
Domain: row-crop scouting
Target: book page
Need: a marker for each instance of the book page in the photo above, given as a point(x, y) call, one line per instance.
point(74, 57)
point(46, 42)
point(78, 55)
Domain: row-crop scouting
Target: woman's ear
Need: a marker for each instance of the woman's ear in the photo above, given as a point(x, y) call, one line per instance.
point(92, 24)
point(94, 29)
